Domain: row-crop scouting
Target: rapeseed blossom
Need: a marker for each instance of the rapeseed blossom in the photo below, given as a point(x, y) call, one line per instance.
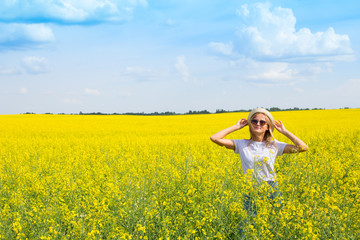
point(160, 177)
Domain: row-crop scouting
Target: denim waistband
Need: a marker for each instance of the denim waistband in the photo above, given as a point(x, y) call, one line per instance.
point(272, 183)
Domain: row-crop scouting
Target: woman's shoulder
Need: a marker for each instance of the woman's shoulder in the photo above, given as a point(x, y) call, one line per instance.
point(240, 144)
point(279, 142)
point(241, 141)
point(280, 145)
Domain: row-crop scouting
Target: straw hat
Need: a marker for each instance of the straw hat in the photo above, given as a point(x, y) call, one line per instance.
point(264, 111)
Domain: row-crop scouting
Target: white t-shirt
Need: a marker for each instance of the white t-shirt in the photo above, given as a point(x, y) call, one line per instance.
point(259, 157)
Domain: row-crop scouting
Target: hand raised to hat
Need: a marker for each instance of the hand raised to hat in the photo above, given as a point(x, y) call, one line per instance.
point(242, 123)
point(280, 126)
point(299, 145)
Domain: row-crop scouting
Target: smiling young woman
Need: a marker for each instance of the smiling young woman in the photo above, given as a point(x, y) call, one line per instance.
point(258, 154)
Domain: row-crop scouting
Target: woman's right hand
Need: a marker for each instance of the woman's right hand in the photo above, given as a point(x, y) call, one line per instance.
point(219, 137)
point(242, 123)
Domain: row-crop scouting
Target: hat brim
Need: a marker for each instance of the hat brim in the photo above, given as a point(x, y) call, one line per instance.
point(263, 111)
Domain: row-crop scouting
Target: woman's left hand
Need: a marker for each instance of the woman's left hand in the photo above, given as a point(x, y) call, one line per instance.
point(299, 145)
point(280, 126)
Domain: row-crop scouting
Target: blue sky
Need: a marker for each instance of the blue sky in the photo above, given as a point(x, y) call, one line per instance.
point(67, 56)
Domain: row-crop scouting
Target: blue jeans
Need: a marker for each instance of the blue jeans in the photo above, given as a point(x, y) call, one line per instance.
point(273, 195)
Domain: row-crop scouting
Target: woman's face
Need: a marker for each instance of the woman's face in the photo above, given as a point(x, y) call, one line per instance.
point(259, 124)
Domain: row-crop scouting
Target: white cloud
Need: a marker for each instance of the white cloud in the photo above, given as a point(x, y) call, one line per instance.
point(265, 73)
point(277, 73)
point(71, 101)
point(222, 48)
point(281, 75)
point(170, 22)
point(317, 68)
point(268, 50)
point(269, 33)
point(182, 68)
point(244, 10)
point(37, 32)
point(15, 35)
point(94, 92)
point(140, 73)
point(29, 65)
point(68, 11)
point(298, 90)
point(282, 71)
point(23, 90)
point(10, 71)
point(35, 65)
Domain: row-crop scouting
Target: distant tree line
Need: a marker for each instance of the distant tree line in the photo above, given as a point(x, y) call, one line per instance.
point(272, 109)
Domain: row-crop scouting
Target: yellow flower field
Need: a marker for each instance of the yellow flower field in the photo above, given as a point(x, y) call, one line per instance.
point(160, 177)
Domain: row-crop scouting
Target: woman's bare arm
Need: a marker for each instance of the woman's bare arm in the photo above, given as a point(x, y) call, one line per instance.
point(299, 145)
point(219, 137)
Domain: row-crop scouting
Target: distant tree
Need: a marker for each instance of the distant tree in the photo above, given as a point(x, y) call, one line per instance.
point(220, 111)
point(198, 112)
point(189, 112)
point(274, 109)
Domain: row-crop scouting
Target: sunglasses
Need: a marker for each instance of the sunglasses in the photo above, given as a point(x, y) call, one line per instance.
point(255, 122)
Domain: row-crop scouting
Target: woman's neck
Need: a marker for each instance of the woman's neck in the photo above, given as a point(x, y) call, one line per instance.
point(258, 138)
